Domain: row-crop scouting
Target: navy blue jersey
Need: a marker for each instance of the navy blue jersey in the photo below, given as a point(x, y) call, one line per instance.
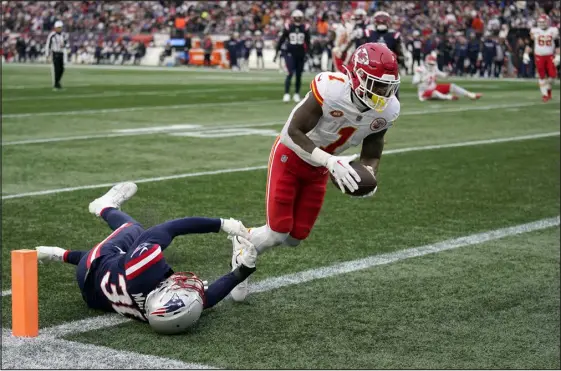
point(391, 39)
point(489, 49)
point(359, 36)
point(119, 272)
point(297, 37)
point(248, 44)
point(259, 45)
point(232, 46)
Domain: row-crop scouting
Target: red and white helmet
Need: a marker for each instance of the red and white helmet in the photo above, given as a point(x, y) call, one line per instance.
point(430, 62)
point(373, 72)
point(382, 21)
point(543, 21)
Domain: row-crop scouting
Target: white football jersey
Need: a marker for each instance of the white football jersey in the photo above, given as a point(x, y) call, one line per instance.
point(426, 78)
point(342, 125)
point(544, 40)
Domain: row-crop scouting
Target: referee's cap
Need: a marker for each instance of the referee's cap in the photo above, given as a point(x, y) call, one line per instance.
point(58, 24)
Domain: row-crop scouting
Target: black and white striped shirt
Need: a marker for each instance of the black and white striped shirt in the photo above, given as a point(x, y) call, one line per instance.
point(56, 43)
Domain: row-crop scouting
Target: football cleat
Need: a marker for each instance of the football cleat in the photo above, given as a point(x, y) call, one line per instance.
point(296, 98)
point(455, 97)
point(286, 98)
point(50, 253)
point(115, 197)
point(549, 93)
point(239, 245)
point(545, 98)
point(476, 96)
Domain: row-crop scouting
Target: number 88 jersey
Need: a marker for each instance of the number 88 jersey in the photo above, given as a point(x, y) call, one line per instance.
point(342, 125)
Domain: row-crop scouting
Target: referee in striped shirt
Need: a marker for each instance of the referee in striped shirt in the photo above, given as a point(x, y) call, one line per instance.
point(56, 43)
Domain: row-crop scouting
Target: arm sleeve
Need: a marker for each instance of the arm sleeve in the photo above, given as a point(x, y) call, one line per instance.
point(164, 233)
point(282, 39)
point(48, 48)
point(220, 288)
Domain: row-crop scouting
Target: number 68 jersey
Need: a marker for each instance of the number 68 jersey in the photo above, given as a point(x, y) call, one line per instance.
point(342, 125)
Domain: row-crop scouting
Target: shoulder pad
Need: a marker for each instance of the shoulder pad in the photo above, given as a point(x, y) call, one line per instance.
point(328, 85)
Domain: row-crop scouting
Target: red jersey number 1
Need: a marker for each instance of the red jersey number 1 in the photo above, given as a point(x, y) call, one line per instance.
point(344, 135)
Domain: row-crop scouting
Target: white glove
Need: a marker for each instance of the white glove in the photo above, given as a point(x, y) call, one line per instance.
point(526, 58)
point(205, 285)
point(344, 174)
point(248, 253)
point(234, 228)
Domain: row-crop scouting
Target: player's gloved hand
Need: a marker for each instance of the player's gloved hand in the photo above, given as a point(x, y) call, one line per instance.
point(205, 285)
point(234, 228)
point(343, 173)
point(275, 58)
point(339, 167)
point(248, 253)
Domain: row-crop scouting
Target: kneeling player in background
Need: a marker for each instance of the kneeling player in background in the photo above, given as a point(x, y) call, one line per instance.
point(127, 273)
point(425, 79)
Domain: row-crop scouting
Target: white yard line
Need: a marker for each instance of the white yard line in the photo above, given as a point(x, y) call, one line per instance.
point(244, 169)
point(52, 353)
point(39, 352)
point(140, 108)
point(113, 94)
point(162, 129)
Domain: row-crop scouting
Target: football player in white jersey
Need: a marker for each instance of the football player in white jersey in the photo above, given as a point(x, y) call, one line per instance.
point(545, 38)
point(342, 38)
point(425, 79)
point(341, 111)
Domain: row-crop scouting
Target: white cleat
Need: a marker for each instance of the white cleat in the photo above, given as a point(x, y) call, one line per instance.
point(296, 97)
point(243, 253)
point(286, 98)
point(115, 197)
point(50, 253)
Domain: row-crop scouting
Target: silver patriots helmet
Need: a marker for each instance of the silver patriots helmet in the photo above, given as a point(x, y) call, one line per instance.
point(176, 304)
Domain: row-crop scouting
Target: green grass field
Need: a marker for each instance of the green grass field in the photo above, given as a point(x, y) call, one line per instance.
point(199, 143)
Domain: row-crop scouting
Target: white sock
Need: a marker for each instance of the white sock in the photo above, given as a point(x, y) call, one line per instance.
point(458, 90)
point(549, 83)
point(439, 95)
point(543, 86)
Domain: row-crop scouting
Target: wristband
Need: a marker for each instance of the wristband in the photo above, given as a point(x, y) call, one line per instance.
point(320, 156)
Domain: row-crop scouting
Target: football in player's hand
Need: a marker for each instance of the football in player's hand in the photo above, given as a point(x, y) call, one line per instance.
point(367, 180)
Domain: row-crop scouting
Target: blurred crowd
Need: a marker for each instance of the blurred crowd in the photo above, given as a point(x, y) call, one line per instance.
point(101, 30)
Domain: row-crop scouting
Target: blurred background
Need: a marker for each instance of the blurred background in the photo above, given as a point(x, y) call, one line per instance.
point(179, 33)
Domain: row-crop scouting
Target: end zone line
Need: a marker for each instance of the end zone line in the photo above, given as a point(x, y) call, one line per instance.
point(252, 168)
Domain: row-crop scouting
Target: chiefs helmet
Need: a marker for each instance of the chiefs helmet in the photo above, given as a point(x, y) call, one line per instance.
point(382, 21)
point(297, 16)
point(373, 72)
point(430, 62)
point(543, 22)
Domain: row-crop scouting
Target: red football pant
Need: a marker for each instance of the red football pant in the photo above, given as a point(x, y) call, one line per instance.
point(339, 63)
point(545, 66)
point(295, 192)
point(441, 88)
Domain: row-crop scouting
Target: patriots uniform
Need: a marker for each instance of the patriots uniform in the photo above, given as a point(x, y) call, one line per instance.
point(391, 39)
point(118, 273)
point(247, 47)
point(359, 35)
